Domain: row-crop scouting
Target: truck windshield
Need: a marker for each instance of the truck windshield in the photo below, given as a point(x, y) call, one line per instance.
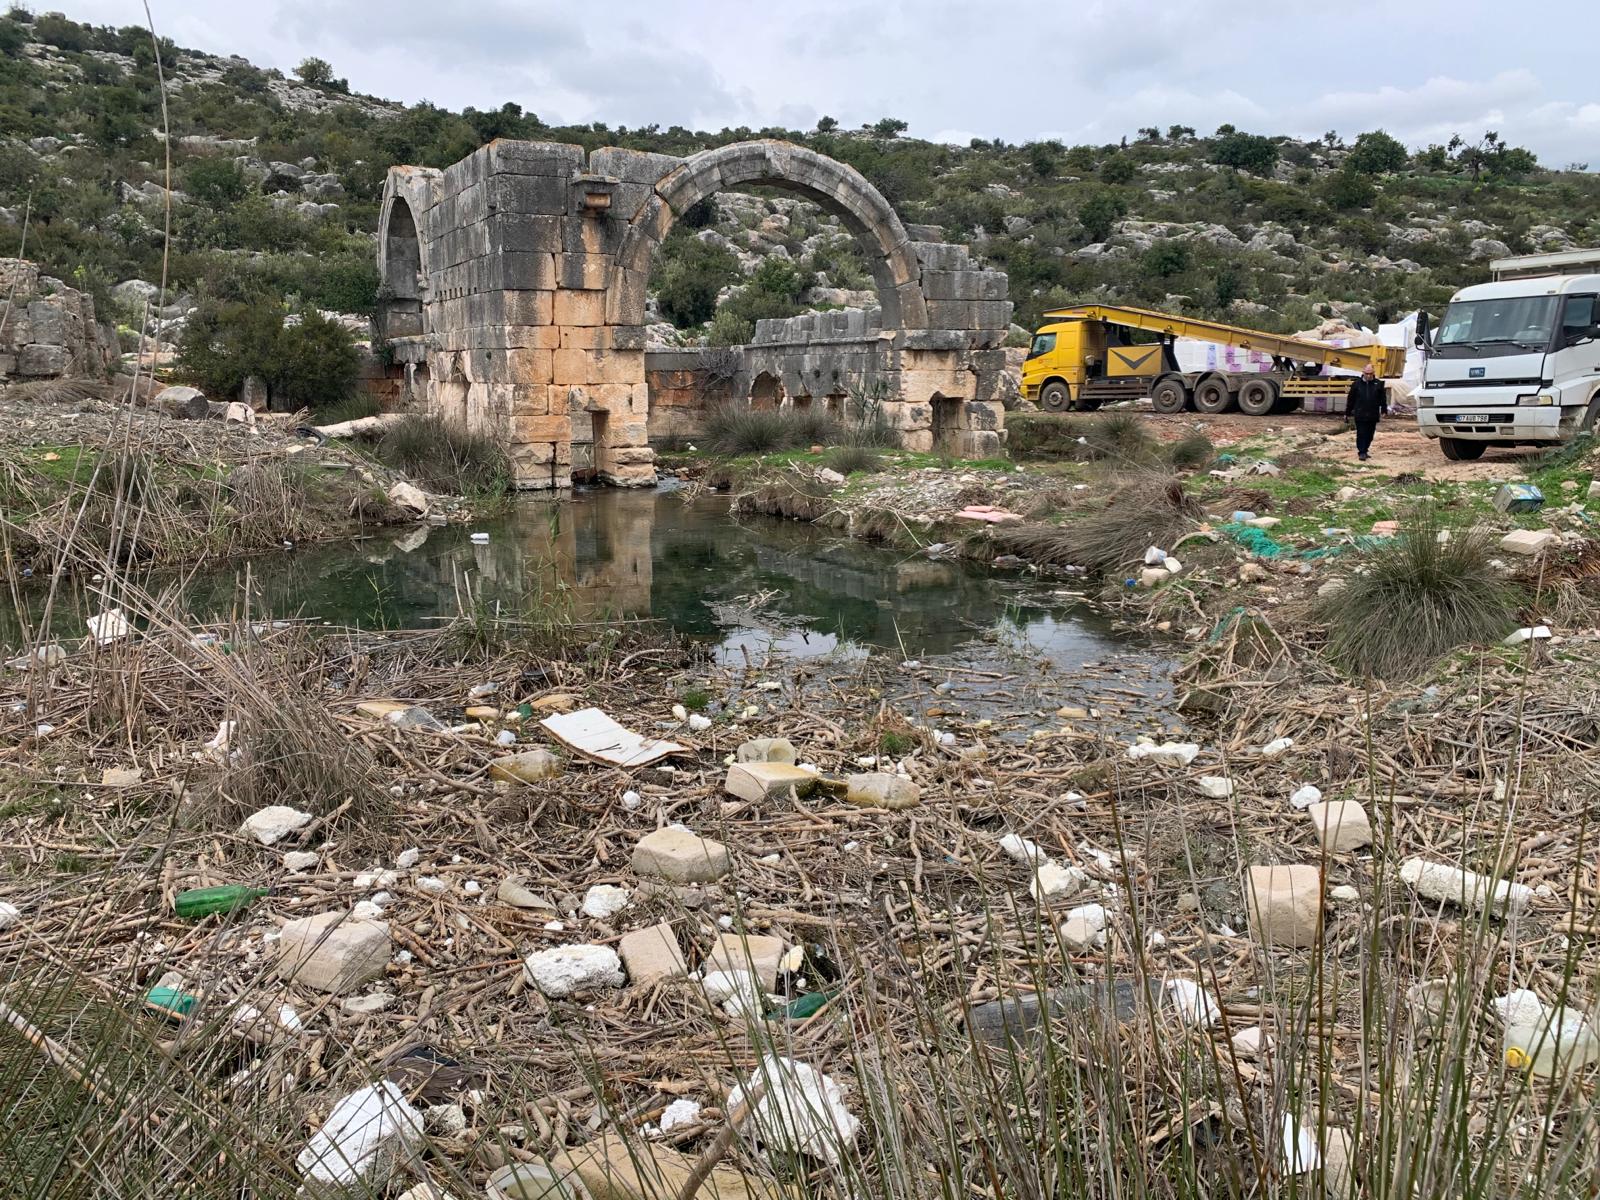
point(1520, 321)
point(1043, 343)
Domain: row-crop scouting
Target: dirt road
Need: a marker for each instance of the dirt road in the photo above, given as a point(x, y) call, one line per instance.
point(1397, 449)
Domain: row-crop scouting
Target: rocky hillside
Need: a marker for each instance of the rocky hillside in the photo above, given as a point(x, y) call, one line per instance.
point(275, 183)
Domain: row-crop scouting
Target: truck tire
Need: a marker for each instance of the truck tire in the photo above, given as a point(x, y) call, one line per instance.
point(1055, 396)
point(1212, 395)
point(1169, 395)
point(1461, 450)
point(1258, 397)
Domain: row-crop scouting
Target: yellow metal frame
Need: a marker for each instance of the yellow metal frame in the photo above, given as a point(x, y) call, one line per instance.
point(1387, 361)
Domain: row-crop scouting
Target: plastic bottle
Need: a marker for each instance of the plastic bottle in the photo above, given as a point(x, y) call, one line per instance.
point(230, 897)
point(1544, 1041)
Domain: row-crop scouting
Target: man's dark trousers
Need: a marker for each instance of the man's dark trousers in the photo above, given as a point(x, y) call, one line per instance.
point(1364, 432)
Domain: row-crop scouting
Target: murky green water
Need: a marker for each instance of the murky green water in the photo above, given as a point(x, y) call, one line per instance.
point(752, 585)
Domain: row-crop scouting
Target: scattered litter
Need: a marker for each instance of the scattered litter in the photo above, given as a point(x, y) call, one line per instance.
point(1300, 1153)
point(1515, 498)
point(1529, 633)
point(1167, 754)
point(680, 1114)
point(802, 1111)
point(108, 627)
point(1276, 747)
point(362, 1144)
point(479, 539)
point(1215, 787)
point(594, 735)
point(1022, 850)
point(1191, 1003)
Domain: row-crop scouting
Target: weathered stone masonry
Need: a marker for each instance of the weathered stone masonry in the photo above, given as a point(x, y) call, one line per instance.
point(514, 289)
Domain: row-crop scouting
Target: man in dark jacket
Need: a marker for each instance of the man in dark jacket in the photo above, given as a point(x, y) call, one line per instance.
point(1367, 401)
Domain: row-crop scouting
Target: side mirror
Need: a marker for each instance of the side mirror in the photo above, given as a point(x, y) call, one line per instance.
point(1422, 339)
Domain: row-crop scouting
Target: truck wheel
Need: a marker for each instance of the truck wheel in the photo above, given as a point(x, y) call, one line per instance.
point(1461, 450)
point(1055, 396)
point(1257, 397)
point(1212, 396)
point(1169, 396)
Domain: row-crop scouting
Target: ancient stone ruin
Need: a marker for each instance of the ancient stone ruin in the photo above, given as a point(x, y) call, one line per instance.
point(514, 288)
point(47, 329)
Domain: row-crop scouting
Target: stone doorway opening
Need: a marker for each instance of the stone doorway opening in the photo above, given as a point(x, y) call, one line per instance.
point(946, 421)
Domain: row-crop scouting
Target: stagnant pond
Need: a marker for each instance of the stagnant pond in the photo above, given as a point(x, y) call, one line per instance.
point(757, 588)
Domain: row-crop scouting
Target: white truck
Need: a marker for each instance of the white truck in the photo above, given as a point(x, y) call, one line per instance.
point(1515, 362)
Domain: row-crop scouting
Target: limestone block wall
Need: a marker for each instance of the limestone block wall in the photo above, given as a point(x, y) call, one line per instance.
point(514, 283)
point(47, 329)
point(686, 385)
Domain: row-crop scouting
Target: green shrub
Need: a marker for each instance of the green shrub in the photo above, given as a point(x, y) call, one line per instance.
point(693, 274)
point(1245, 152)
point(1122, 437)
point(306, 359)
point(1042, 435)
point(443, 457)
point(1416, 598)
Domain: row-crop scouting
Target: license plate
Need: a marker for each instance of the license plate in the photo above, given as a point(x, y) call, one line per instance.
point(1473, 419)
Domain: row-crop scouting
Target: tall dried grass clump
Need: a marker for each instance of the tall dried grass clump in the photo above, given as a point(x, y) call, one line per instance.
point(441, 456)
point(1415, 598)
point(1143, 509)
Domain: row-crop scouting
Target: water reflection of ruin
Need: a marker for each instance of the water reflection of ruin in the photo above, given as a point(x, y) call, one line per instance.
point(614, 555)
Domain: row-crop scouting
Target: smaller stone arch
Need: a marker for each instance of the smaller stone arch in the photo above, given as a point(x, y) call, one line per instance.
point(836, 187)
point(766, 392)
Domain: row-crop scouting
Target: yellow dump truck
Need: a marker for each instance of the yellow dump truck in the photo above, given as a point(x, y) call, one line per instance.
point(1086, 355)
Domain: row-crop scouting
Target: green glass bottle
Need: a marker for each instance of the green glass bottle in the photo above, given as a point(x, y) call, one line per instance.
point(230, 897)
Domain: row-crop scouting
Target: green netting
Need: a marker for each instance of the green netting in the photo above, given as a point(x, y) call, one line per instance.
point(1263, 545)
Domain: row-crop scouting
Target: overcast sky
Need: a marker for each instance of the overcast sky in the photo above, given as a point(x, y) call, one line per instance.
point(1079, 70)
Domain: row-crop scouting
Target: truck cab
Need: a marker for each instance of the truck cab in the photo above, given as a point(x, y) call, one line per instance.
point(1515, 361)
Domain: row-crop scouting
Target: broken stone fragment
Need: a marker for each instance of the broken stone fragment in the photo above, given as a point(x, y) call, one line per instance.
point(1285, 904)
point(753, 954)
point(652, 954)
point(679, 856)
point(526, 767)
point(772, 750)
point(566, 970)
point(1052, 881)
point(1467, 889)
point(408, 497)
point(1529, 541)
point(365, 1006)
point(333, 952)
point(515, 892)
point(878, 789)
point(757, 781)
point(122, 777)
point(609, 1168)
point(297, 861)
point(1084, 928)
point(1341, 825)
point(604, 901)
point(274, 823)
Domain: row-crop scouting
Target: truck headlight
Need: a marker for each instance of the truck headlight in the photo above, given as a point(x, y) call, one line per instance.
point(1424, 401)
point(1543, 398)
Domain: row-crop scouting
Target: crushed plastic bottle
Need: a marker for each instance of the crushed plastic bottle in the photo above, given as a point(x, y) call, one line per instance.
point(1542, 1040)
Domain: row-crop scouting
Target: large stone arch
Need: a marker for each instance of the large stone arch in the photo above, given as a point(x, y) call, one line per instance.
point(832, 185)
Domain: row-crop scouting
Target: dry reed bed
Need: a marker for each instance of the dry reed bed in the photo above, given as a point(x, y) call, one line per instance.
point(918, 914)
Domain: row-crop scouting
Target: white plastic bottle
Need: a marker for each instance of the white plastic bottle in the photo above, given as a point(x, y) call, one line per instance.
point(1547, 1042)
